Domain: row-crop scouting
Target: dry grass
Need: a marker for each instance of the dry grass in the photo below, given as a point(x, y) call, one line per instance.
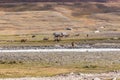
point(37, 18)
point(15, 40)
point(21, 70)
point(37, 70)
point(42, 19)
point(50, 64)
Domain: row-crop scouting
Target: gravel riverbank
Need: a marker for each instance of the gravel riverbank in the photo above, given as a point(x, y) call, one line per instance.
point(63, 58)
point(78, 60)
point(73, 76)
point(77, 46)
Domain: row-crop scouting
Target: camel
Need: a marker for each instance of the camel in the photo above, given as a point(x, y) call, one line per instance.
point(23, 40)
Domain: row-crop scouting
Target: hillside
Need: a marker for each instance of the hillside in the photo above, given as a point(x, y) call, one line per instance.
point(40, 18)
point(12, 1)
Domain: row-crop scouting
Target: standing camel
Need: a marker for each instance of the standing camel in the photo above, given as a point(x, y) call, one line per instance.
point(23, 40)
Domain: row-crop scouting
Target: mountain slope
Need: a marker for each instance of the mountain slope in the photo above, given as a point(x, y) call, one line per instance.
point(11, 1)
point(35, 18)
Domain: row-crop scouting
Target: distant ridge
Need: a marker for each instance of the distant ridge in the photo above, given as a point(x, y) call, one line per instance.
point(12, 1)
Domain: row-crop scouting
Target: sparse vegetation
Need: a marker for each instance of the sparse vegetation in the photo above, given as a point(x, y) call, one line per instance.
point(43, 19)
point(49, 64)
point(48, 39)
point(33, 24)
point(90, 66)
point(47, 18)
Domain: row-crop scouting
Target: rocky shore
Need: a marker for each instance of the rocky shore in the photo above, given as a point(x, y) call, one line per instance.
point(75, 76)
point(104, 61)
point(77, 46)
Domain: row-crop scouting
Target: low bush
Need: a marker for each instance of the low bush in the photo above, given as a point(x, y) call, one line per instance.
point(2, 62)
point(90, 66)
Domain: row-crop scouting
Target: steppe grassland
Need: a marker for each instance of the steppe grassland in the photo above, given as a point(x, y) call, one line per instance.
point(36, 18)
point(50, 64)
point(22, 20)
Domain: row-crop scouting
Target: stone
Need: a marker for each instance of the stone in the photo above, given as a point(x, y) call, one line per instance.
point(114, 78)
point(96, 78)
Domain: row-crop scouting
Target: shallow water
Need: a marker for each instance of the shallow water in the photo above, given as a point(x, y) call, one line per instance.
point(64, 50)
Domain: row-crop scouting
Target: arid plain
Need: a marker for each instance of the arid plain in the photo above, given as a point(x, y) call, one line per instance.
point(91, 23)
point(22, 20)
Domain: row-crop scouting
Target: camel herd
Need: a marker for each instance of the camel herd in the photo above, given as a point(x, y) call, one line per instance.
point(57, 37)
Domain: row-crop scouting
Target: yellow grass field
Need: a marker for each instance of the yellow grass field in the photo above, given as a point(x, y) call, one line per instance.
point(46, 18)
